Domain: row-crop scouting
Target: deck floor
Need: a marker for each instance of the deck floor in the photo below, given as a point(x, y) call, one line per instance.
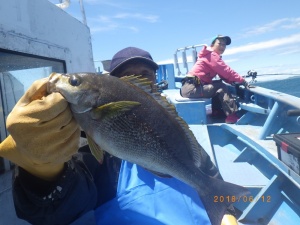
point(7, 212)
point(253, 132)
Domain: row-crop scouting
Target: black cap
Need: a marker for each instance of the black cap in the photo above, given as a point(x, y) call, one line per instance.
point(130, 53)
point(226, 38)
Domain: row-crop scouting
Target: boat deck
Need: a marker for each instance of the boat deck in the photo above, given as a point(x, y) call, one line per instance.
point(252, 132)
point(244, 159)
point(7, 212)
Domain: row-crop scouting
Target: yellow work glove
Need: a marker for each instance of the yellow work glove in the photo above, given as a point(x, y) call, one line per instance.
point(43, 133)
point(229, 220)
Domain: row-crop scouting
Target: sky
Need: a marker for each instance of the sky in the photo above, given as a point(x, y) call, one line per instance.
point(265, 34)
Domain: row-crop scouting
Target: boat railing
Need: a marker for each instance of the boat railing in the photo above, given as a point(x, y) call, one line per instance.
point(186, 59)
point(274, 105)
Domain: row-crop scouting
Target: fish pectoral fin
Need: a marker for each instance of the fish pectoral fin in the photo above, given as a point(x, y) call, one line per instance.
point(162, 175)
point(97, 152)
point(113, 109)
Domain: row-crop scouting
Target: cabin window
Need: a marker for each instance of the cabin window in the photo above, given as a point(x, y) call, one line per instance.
point(17, 72)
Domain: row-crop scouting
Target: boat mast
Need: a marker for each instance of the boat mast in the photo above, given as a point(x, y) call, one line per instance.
point(82, 12)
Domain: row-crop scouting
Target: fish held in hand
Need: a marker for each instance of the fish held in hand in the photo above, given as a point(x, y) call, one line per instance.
point(123, 117)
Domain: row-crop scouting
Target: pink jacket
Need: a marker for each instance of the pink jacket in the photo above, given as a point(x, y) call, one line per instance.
point(209, 64)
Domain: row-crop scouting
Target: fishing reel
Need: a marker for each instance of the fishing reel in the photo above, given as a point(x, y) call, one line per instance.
point(253, 75)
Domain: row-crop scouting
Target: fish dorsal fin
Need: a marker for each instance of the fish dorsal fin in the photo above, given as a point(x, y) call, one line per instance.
point(97, 152)
point(145, 85)
point(113, 109)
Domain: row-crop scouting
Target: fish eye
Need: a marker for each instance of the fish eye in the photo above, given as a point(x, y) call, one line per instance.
point(74, 80)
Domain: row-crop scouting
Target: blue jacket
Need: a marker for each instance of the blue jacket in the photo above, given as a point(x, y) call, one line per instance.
point(142, 198)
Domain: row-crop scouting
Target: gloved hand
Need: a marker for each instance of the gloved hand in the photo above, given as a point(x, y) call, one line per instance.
point(247, 85)
point(44, 134)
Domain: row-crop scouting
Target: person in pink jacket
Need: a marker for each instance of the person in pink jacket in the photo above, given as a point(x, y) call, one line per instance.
point(199, 81)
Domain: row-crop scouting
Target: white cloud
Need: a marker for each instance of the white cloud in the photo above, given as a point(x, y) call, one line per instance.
point(279, 68)
point(133, 28)
point(104, 2)
point(96, 29)
point(265, 28)
point(110, 27)
point(148, 18)
point(102, 24)
point(284, 23)
point(119, 21)
point(101, 19)
point(264, 45)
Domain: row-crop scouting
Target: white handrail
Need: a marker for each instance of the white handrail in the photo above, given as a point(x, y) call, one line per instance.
point(185, 58)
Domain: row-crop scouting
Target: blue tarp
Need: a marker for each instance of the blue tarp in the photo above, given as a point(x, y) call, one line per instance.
point(144, 198)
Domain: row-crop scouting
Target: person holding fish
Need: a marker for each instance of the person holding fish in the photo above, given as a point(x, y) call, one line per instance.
point(53, 184)
point(199, 81)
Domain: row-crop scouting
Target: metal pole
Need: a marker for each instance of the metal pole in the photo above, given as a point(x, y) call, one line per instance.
point(272, 119)
point(82, 12)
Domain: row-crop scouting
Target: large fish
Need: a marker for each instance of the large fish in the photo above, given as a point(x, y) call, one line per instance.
point(124, 118)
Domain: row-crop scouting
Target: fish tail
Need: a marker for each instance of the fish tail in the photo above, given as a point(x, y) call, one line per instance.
point(218, 196)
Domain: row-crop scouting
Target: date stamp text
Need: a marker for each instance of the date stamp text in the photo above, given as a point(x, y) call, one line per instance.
point(233, 199)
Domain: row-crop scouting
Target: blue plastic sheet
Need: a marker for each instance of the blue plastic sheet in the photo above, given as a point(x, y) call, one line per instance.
point(144, 198)
point(86, 219)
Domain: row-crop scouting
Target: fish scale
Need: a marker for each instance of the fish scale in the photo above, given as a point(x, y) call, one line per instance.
point(125, 118)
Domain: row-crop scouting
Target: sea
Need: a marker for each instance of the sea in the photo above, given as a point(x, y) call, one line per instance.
point(289, 86)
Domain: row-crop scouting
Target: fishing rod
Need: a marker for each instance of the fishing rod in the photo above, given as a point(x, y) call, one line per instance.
point(253, 74)
point(287, 74)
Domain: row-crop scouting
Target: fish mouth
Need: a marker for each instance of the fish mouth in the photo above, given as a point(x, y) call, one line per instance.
point(53, 86)
point(53, 79)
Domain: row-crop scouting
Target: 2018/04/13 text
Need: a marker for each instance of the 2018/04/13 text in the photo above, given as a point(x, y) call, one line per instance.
point(242, 198)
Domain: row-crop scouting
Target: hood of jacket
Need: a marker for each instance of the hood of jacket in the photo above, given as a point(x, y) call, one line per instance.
point(205, 51)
